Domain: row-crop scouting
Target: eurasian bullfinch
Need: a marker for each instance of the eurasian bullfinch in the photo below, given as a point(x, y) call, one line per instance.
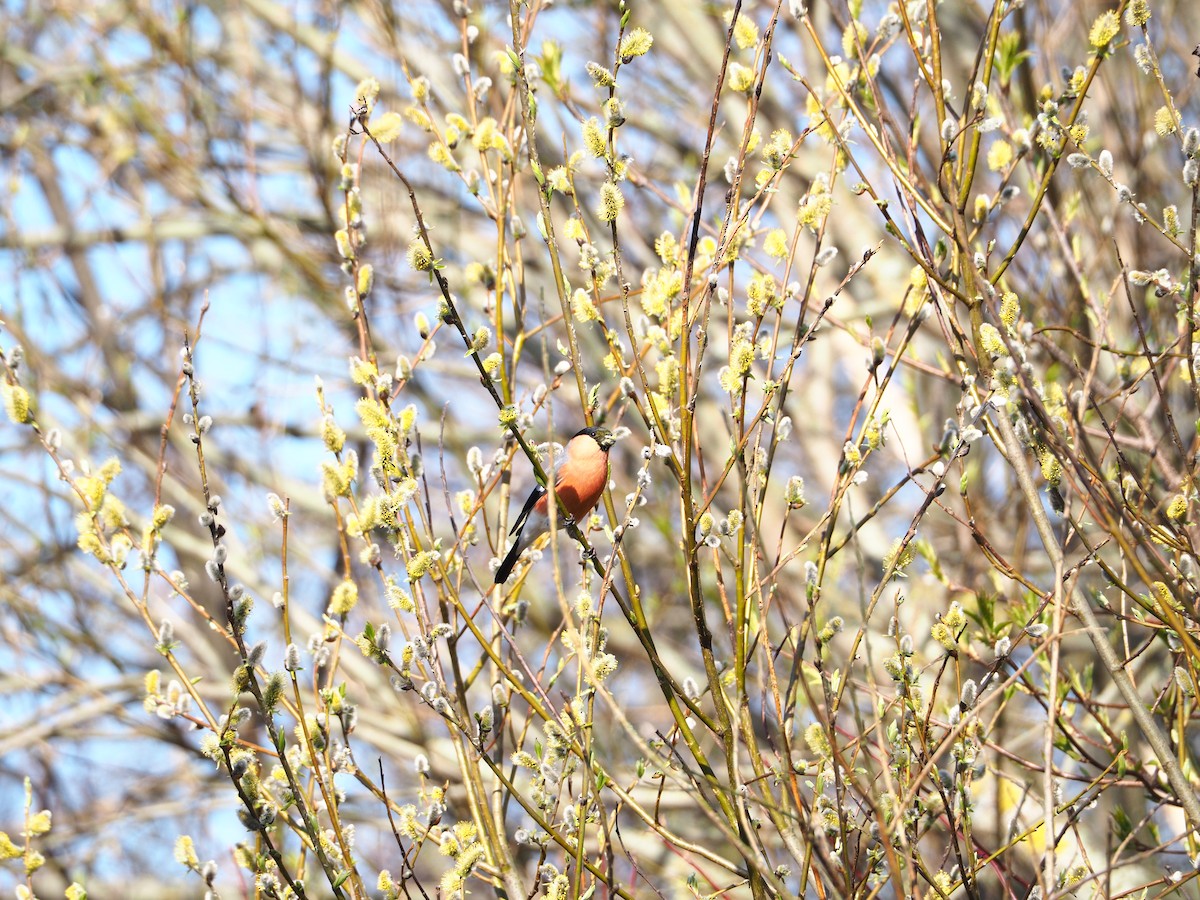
point(579, 482)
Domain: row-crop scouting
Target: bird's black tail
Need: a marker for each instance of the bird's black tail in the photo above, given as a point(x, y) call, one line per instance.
point(510, 561)
point(518, 530)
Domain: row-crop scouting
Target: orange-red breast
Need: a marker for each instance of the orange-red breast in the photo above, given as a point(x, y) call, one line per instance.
point(579, 482)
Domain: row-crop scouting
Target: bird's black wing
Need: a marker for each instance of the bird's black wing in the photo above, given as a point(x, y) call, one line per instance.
point(534, 496)
point(514, 552)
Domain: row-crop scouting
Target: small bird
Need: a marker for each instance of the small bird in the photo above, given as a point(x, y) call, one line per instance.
point(579, 482)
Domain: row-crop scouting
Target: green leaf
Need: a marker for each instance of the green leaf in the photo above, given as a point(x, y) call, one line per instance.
point(550, 63)
point(1122, 825)
point(1009, 55)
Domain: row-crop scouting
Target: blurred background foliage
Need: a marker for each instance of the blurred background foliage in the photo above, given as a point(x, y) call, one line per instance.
point(1007, 192)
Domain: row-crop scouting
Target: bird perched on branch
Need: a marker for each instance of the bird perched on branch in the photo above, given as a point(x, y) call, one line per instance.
point(579, 482)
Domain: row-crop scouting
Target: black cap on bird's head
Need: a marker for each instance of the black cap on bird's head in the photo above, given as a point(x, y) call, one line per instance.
point(600, 435)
